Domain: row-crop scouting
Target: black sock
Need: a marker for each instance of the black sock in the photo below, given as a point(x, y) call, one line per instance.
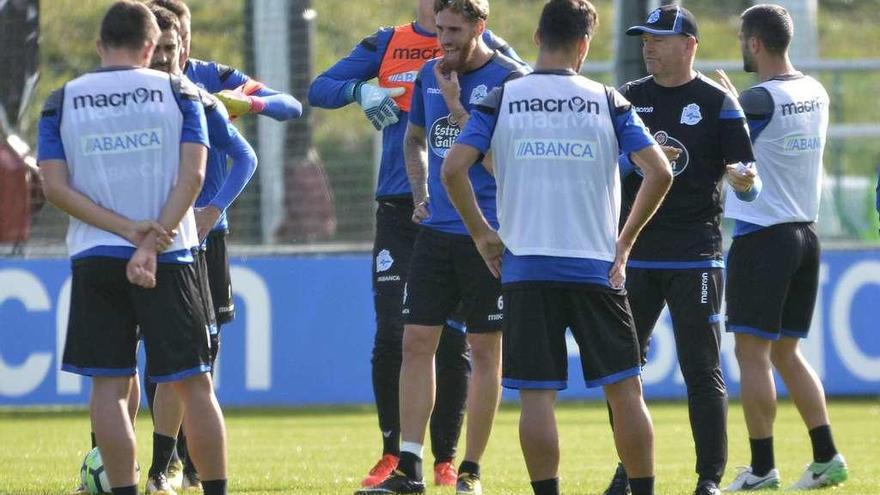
point(213, 487)
point(441, 461)
point(546, 487)
point(410, 465)
point(188, 466)
point(391, 443)
point(125, 490)
point(762, 455)
point(823, 445)
point(162, 448)
point(94, 440)
point(469, 467)
point(642, 486)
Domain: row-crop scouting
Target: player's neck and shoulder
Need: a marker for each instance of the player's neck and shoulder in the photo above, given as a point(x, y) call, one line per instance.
point(115, 70)
point(759, 99)
point(213, 76)
point(699, 83)
point(379, 40)
point(561, 76)
point(497, 62)
point(789, 81)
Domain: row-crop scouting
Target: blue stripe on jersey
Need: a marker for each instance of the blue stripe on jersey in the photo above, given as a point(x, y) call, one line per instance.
point(49, 144)
point(532, 268)
point(517, 384)
point(716, 318)
point(757, 126)
point(674, 265)
point(195, 126)
point(625, 166)
point(742, 228)
point(182, 256)
point(731, 114)
point(632, 135)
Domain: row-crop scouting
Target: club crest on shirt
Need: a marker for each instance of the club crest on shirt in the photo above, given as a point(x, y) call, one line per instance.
point(691, 115)
point(479, 94)
point(680, 163)
point(384, 261)
point(442, 136)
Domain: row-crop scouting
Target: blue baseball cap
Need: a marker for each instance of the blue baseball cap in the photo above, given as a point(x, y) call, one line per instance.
point(668, 20)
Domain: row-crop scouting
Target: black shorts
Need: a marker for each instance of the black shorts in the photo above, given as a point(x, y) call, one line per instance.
point(106, 312)
point(536, 316)
point(772, 281)
point(448, 276)
point(217, 257)
point(201, 262)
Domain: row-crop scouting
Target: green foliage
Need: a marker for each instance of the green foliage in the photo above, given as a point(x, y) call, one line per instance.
point(69, 29)
point(327, 451)
point(847, 28)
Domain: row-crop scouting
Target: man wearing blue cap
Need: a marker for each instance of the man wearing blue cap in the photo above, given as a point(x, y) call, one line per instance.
point(677, 260)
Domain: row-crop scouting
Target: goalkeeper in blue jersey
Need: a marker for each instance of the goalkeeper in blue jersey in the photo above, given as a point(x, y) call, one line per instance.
point(393, 56)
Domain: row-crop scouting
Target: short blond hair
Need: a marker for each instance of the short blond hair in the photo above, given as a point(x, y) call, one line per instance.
point(472, 10)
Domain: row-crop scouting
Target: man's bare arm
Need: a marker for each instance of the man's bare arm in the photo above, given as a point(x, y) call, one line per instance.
point(415, 154)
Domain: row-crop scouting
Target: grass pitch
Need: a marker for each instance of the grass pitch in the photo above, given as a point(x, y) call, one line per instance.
point(327, 451)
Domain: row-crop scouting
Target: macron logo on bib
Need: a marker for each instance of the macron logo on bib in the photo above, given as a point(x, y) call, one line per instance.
point(139, 96)
point(122, 142)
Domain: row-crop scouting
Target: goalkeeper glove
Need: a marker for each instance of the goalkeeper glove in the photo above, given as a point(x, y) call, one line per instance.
point(377, 103)
point(237, 103)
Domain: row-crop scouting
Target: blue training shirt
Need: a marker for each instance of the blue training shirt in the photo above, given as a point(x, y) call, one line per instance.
point(429, 110)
